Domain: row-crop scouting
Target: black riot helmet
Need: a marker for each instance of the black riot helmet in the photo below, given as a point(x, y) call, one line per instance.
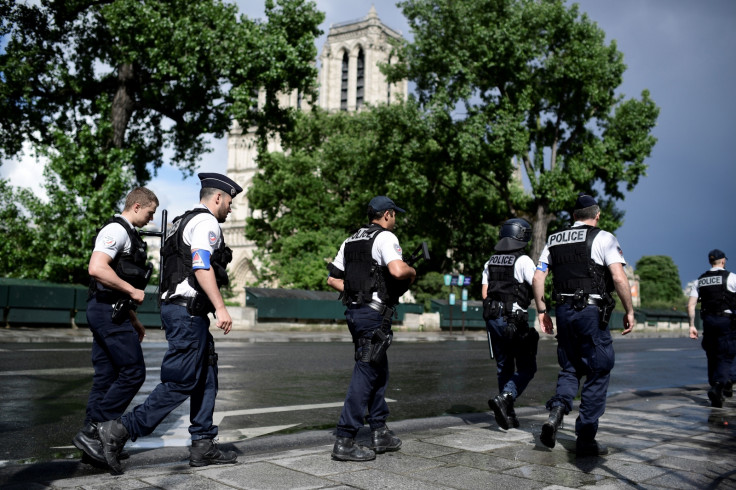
point(515, 234)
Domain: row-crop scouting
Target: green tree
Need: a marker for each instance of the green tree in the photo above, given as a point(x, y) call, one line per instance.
point(659, 282)
point(107, 91)
point(314, 194)
point(533, 84)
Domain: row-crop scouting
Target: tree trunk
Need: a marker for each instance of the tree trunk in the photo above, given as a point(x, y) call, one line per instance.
point(542, 219)
point(122, 104)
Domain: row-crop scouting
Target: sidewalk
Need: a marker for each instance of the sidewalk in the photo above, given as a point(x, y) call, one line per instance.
point(666, 438)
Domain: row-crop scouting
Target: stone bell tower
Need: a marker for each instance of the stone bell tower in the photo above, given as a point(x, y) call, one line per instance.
point(349, 78)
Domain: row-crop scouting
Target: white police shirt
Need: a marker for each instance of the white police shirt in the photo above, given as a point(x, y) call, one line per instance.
point(385, 249)
point(202, 232)
point(523, 272)
point(113, 239)
point(605, 251)
point(730, 285)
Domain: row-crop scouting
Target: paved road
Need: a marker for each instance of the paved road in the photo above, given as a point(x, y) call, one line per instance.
point(297, 386)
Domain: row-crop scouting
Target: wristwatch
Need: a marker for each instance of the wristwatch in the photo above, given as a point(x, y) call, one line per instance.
point(542, 312)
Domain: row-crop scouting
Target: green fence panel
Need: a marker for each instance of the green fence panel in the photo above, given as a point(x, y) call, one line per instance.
point(39, 303)
point(299, 304)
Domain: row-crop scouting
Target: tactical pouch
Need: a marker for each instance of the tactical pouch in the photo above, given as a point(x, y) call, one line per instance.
point(363, 350)
point(579, 300)
point(121, 310)
point(491, 309)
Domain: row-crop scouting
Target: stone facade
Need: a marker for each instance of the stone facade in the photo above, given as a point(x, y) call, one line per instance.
point(349, 78)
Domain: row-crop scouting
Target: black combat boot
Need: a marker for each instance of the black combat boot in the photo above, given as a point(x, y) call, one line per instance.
point(500, 406)
point(113, 436)
point(345, 449)
point(383, 440)
point(715, 394)
point(589, 448)
point(728, 389)
point(86, 441)
point(205, 452)
point(549, 429)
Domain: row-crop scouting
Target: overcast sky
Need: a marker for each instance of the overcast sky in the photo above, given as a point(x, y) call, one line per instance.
point(683, 51)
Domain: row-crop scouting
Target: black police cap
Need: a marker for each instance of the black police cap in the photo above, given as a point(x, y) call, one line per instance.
point(219, 181)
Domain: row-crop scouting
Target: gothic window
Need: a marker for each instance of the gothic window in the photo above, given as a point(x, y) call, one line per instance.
point(360, 80)
point(344, 83)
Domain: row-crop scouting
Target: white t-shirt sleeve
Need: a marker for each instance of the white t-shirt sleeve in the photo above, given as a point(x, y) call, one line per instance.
point(484, 275)
point(339, 261)
point(386, 248)
point(524, 269)
point(203, 233)
point(606, 250)
point(544, 257)
point(731, 284)
point(112, 240)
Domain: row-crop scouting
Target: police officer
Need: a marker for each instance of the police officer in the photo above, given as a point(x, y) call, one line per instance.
point(195, 257)
point(587, 265)
point(119, 273)
point(507, 293)
point(716, 290)
point(371, 274)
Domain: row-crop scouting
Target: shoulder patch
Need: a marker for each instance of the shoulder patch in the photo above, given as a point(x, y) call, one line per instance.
point(108, 241)
point(212, 237)
point(620, 252)
point(397, 247)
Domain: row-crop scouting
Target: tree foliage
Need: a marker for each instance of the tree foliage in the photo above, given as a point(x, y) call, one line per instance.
point(659, 282)
point(497, 82)
point(109, 91)
point(536, 82)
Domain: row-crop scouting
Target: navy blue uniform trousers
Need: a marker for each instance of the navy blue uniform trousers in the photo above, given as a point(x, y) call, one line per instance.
point(584, 350)
point(186, 372)
point(118, 362)
point(719, 343)
point(516, 357)
point(369, 381)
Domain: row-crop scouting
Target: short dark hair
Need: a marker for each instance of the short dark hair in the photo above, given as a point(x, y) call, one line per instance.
point(207, 192)
point(374, 215)
point(141, 195)
point(586, 213)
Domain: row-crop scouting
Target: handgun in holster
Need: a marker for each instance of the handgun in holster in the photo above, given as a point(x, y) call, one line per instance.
point(199, 305)
point(121, 310)
point(605, 308)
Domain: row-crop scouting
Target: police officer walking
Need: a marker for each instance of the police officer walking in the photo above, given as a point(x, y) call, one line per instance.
point(119, 272)
point(194, 257)
point(507, 293)
point(371, 274)
point(587, 265)
point(716, 290)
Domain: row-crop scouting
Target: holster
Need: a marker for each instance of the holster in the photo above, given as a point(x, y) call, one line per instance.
point(199, 305)
point(605, 310)
point(380, 343)
point(121, 310)
point(212, 355)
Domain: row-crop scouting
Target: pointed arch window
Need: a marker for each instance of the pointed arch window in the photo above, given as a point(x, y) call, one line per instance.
point(360, 80)
point(344, 83)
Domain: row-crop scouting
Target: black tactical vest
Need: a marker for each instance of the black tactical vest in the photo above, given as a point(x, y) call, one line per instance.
point(503, 286)
point(571, 261)
point(714, 294)
point(177, 257)
point(131, 267)
point(363, 275)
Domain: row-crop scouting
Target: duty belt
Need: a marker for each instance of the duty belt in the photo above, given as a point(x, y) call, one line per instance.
point(382, 308)
point(180, 301)
point(571, 299)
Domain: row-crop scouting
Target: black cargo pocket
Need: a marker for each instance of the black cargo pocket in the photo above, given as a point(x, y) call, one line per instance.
point(181, 362)
point(603, 355)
